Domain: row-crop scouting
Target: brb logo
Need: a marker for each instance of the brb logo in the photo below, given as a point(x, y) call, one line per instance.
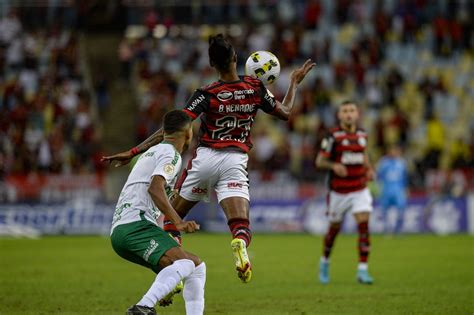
point(234, 185)
point(224, 96)
point(352, 158)
point(199, 191)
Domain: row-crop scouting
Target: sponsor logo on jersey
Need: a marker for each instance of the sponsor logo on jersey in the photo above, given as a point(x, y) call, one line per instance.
point(351, 158)
point(169, 191)
point(324, 144)
point(270, 98)
point(270, 93)
point(146, 154)
point(176, 158)
point(234, 185)
point(169, 168)
point(224, 96)
point(119, 210)
point(240, 94)
point(155, 212)
point(150, 249)
point(199, 190)
point(196, 103)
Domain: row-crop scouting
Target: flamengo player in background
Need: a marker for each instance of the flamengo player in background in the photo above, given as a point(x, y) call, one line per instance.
point(135, 235)
point(227, 109)
point(344, 154)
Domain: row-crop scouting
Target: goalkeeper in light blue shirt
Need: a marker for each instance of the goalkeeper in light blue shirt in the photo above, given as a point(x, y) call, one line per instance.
point(392, 174)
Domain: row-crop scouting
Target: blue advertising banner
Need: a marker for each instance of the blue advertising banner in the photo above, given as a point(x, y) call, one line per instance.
point(73, 218)
point(57, 218)
point(266, 216)
point(422, 215)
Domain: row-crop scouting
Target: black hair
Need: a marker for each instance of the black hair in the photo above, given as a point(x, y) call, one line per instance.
point(221, 52)
point(347, 102)
point(175, 120)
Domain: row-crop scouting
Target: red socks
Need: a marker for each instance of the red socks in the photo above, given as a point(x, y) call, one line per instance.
point(329, 239)
point(240, 229)
point(364, 241)
point(363, 244)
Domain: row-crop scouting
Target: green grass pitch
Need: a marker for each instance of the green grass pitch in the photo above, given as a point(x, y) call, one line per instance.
point(82, 275)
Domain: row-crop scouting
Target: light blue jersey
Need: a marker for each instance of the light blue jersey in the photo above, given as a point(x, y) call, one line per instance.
point(392, 174)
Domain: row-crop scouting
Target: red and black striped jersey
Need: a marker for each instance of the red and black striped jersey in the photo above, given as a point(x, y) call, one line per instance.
point(348, 149)
point(227, 111)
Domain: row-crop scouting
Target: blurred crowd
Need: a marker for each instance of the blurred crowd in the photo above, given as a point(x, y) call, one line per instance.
point(46, 120)
point(408, 64)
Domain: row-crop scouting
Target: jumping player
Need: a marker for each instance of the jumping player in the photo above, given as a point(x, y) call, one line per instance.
point(227, 109)
point(135, 235)
point(344, 154)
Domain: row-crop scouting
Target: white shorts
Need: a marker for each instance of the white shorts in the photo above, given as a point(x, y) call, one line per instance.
point(220, 170)
point(355, 202)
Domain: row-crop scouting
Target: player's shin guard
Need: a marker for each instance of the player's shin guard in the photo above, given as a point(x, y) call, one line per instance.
point(329, 239)
point(166, 280)
point(364, 241)
point(193, 293)
point(169, 227)
point(240, 228)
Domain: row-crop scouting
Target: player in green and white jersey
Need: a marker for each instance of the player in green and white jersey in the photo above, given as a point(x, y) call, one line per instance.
point(135, 233)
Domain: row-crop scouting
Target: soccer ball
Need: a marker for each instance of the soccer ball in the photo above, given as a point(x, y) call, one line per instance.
point(263, 65)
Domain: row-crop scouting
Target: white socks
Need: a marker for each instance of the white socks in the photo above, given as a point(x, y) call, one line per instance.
point(193, 293)
point(363, 266)
point(166, 280)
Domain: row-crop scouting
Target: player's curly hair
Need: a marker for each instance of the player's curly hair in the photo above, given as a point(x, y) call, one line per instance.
point(221, 52)
point(175, 120)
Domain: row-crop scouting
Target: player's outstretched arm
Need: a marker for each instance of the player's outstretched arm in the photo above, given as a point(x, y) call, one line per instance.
point(158, 195)
point(283, 109)
point(125, 157)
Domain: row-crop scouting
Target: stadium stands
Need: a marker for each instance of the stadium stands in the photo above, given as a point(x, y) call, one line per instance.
point(408, 63)
point(77, 75)
point(47, 116)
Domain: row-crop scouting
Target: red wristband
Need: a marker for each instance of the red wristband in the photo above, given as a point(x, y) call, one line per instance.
point(134, 151)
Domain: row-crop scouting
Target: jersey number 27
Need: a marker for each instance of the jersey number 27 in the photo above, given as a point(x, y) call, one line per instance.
point(228, 124)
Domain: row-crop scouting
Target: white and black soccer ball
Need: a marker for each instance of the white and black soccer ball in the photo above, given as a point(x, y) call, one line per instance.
point(263, 65)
